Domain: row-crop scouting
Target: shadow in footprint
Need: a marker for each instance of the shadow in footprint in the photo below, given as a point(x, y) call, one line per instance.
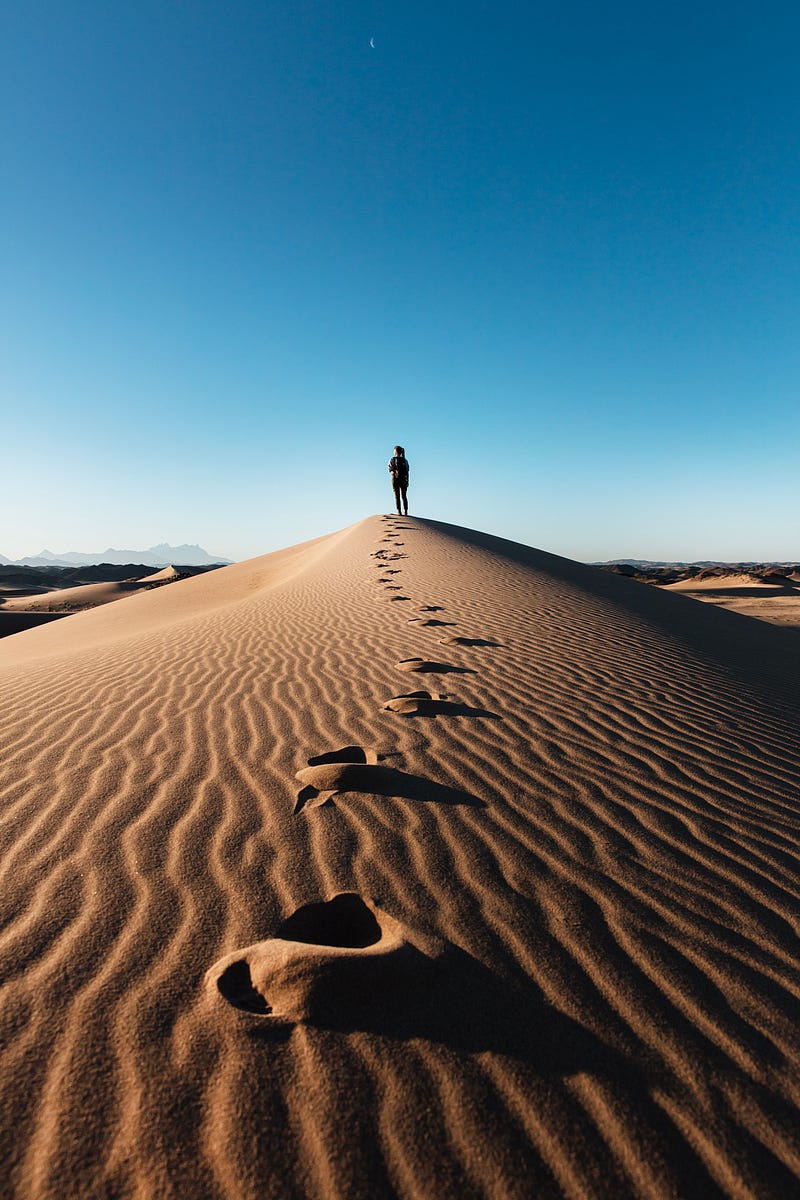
point(348, 966)
point(426, 704)
point(321, 959)
point(323, 781)
point(393, 598)
point(432, 608)
point(426, 665)
point(464, 641)
point(347, 754)
point(434, 623)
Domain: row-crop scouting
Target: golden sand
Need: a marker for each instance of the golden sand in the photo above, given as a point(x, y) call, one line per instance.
point(409, 861)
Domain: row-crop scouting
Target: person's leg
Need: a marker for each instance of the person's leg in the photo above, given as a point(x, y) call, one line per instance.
point(405, 500)
point(396, 486)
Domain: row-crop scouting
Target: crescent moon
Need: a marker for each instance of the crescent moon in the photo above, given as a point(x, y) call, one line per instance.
point(372, 42)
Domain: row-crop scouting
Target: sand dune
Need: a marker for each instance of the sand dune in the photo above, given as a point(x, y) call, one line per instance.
point(715, 583)
point(75, 599)
point(88, 595)
point(276, 924)
point(772, 600)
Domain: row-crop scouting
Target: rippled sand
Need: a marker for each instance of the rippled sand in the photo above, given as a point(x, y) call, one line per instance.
point(409, 861)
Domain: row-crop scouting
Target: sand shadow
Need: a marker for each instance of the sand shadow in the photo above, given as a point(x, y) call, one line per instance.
point(463, 641)
point(426, 666)
point(347, 966)
point(456, 1001)
point(347, 754)
point(323, 781)
point(741, 593)
point(423, 704)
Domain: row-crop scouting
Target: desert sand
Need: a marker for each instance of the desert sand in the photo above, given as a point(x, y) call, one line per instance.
point(405, 862)
point(87, 595)
point(777, 603)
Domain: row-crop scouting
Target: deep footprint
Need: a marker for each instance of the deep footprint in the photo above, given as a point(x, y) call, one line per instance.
point(413, 703)
point(347, 754)
point(324, 961)
point(423, 665)
point(463, 641)
point(323, 780)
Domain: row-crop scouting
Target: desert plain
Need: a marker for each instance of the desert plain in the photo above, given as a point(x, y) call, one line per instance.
point(410, 862)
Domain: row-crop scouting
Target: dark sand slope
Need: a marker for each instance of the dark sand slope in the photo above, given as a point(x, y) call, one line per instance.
point(531, 930)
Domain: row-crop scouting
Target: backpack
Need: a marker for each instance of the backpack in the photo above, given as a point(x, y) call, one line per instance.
point(400, 468)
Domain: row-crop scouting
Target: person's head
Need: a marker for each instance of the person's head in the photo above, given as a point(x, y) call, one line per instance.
point(400, 451)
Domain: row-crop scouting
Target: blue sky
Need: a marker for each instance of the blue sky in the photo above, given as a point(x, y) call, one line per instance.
point(554, 250)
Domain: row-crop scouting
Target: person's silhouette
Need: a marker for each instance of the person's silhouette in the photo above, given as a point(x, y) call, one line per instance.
point(398, 469)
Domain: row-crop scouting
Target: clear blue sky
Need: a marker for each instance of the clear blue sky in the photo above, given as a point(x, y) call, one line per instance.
point(553, 249)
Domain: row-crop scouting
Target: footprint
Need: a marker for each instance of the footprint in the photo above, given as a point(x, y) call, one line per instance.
point(434, 622)
point(325, 779)
point(463, 641)
point(347, 965)
point(326, 961)
point(412, 703)
point(432, 608)
point(347, 754)
point(433, 704)
point(423, 665)
point(313, 797)
point(393, 598)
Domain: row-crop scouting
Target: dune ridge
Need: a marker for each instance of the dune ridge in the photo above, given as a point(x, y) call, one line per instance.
point(611, 1007)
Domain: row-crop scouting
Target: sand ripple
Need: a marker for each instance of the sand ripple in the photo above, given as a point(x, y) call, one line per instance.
point(616, 901)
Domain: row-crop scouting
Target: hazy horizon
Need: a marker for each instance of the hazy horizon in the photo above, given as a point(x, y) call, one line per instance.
point(553, 252)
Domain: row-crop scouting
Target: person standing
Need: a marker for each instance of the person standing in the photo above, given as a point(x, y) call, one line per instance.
point(398, 469)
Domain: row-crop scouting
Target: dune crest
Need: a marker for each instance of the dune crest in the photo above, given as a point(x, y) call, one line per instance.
point(273, 923)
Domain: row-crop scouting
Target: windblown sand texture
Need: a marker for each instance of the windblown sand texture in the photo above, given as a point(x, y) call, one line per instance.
point(408, 861)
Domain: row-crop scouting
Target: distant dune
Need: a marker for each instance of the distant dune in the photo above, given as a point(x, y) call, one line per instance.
point(405, 862)
point(766, 591)
point(22, 596)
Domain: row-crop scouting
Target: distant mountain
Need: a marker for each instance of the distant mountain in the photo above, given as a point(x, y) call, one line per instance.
point(162, 555)
point(650, 562)
point(784, 574)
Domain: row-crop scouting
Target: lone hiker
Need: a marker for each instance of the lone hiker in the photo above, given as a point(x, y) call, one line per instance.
point(398, 469)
